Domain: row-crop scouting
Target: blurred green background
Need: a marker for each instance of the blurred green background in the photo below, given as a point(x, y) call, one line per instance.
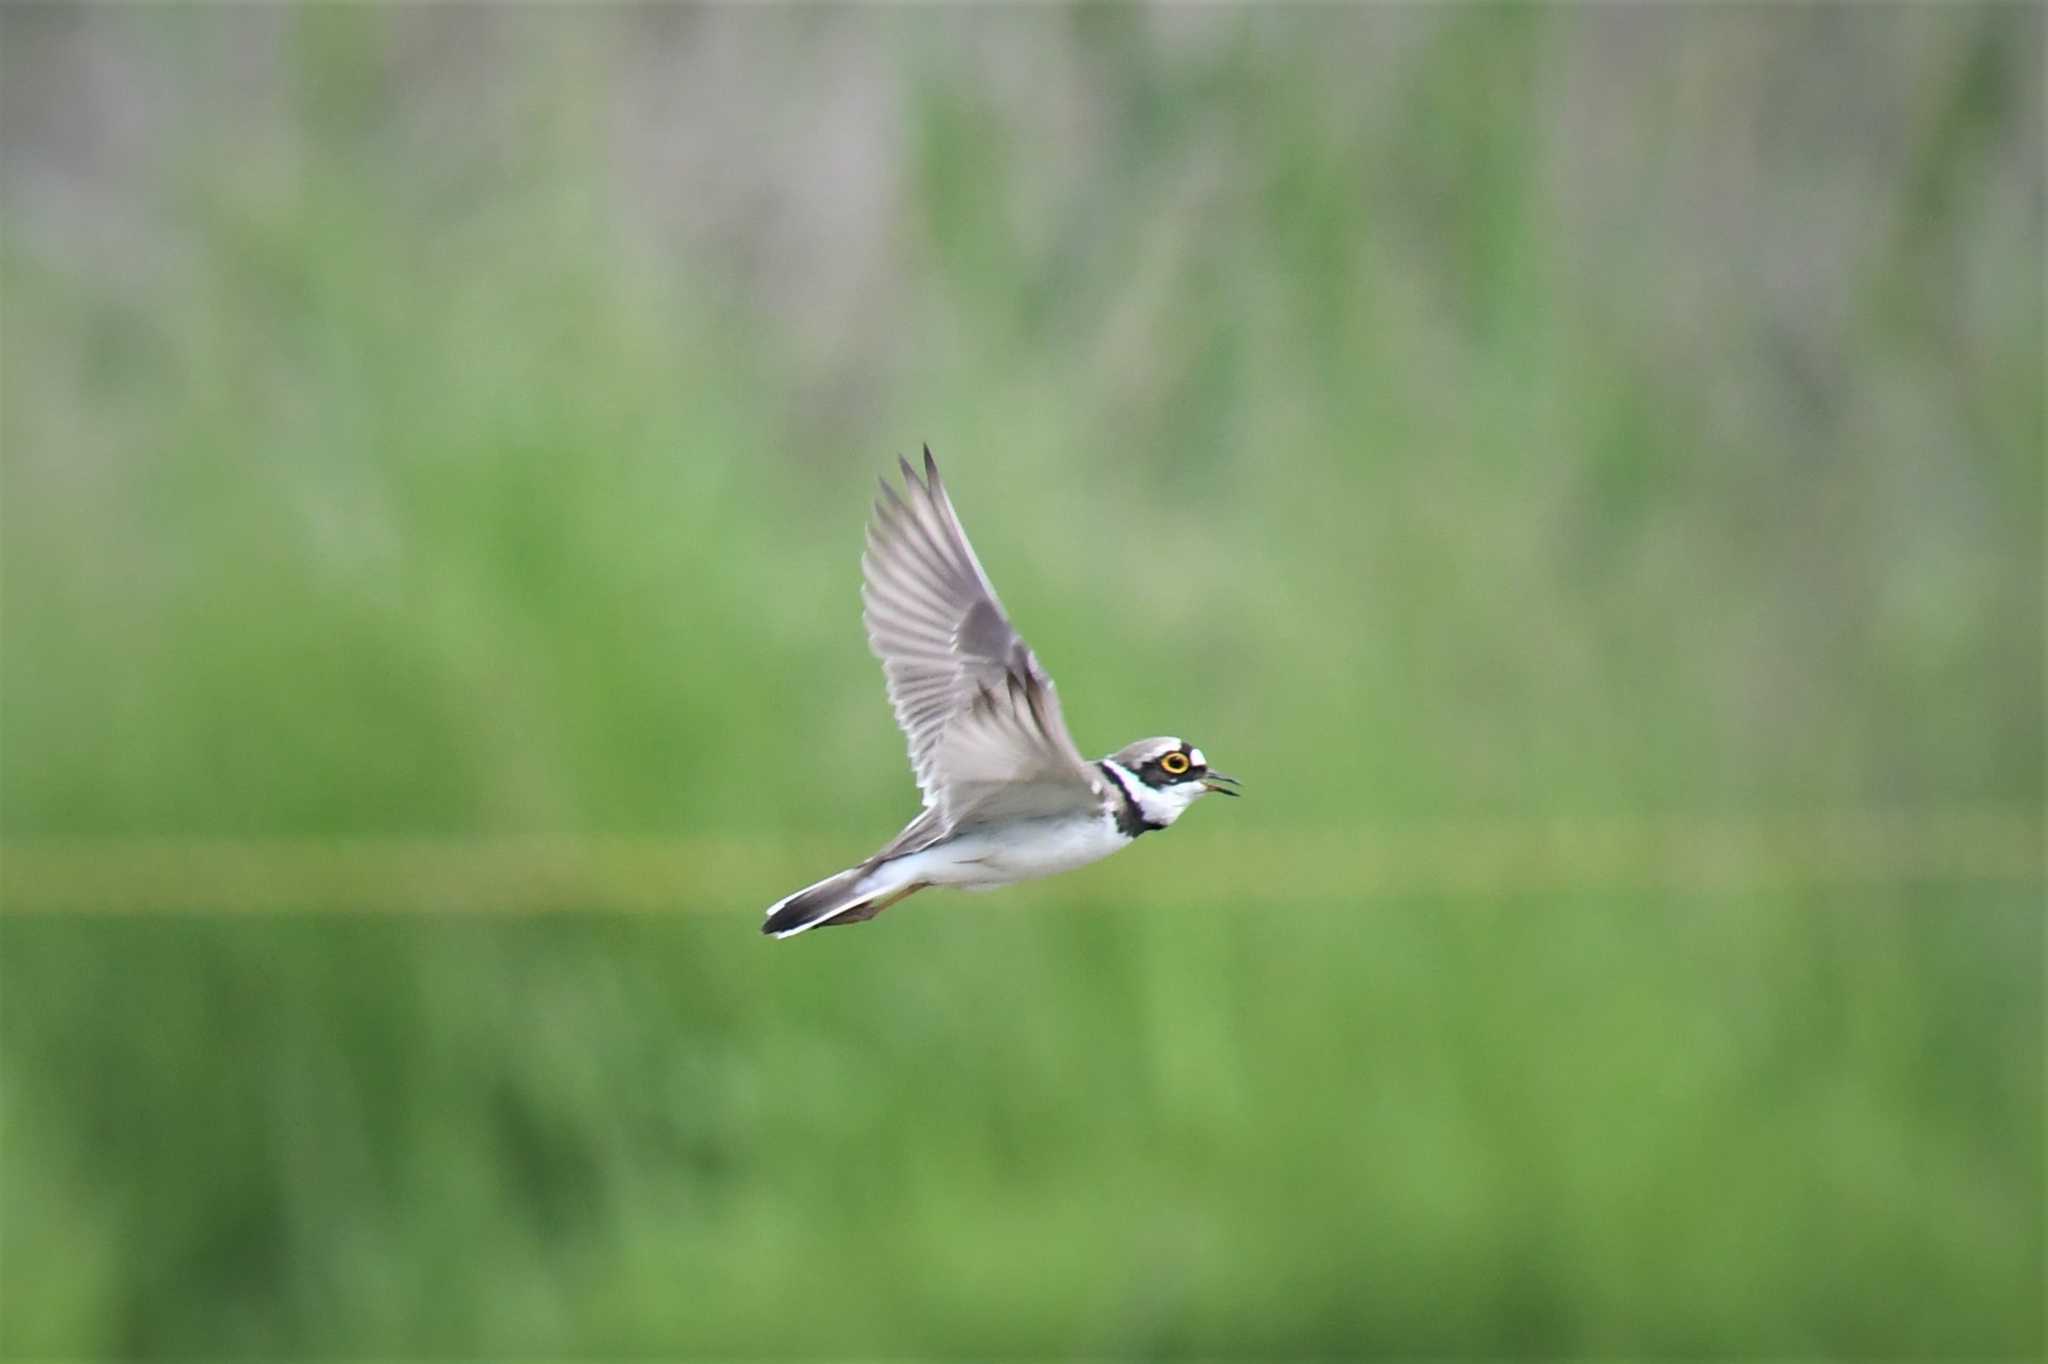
point(1582, 468)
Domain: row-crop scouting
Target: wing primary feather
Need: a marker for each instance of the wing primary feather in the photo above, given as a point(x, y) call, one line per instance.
point(903, 619)
point(907, 529)
point(890, 574)
point(918, 530)
point(905, 582)
point(899, 615)
point(913, 516)
point(951, 530)
point(934, 516)
point(908, 539)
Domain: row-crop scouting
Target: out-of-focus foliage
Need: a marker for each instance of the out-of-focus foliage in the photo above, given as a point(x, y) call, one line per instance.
point(455, 423)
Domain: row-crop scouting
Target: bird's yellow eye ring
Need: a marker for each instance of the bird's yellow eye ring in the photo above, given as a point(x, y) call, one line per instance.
point(1174, 764)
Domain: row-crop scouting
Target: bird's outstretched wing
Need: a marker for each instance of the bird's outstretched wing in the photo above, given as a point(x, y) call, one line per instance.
point(987, 740)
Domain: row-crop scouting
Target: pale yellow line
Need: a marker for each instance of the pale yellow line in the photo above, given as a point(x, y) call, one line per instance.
point(1998, 846)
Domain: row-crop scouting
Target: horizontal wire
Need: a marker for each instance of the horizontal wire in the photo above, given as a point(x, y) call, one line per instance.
point(1977, 845)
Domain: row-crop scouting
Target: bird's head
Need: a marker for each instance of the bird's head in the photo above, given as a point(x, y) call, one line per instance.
point(1169, 775)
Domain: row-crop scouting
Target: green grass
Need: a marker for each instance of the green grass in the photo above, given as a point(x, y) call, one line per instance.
point(1671, 1125)
point(453, 432)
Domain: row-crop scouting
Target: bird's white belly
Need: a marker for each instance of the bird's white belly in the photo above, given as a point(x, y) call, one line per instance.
point(1015, 852)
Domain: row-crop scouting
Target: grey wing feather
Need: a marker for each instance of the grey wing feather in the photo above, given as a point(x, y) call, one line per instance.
point(982, 718)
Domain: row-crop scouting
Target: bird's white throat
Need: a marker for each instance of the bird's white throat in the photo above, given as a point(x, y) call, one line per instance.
point(1159, 807)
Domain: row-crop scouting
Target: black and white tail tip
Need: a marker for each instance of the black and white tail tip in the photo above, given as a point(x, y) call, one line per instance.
point(848, 898)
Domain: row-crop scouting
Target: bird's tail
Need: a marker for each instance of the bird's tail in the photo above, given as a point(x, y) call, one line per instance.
point(848, 898)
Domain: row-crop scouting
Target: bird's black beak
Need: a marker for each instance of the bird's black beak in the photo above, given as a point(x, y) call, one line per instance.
point(1215, 781)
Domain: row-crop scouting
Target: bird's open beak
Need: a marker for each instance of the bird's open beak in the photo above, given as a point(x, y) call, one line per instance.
point(1215, 781)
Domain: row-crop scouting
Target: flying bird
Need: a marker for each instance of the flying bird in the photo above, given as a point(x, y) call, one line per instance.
point(1007, 795)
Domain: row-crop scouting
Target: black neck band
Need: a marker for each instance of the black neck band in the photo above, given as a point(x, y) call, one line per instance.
point(1130, 816)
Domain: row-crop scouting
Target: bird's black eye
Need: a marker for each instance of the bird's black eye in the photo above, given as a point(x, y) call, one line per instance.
point(1174, 764)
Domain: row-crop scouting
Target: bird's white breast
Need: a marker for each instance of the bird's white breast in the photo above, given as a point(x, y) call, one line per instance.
point(1017, 851)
